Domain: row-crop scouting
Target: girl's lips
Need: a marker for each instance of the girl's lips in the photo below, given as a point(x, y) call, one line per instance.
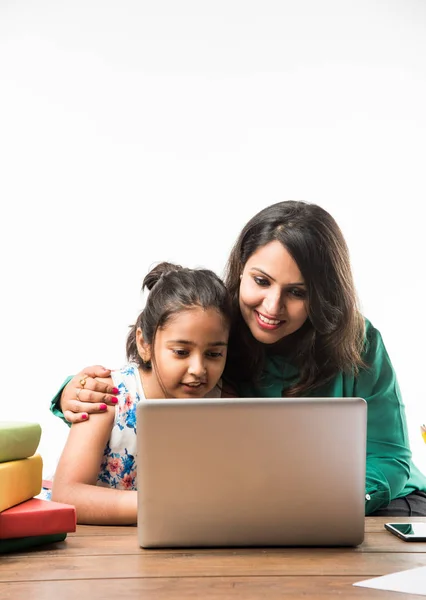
point(268, 326)
point(193, 390)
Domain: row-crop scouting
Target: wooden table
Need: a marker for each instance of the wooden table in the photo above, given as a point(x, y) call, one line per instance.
point(106, 562)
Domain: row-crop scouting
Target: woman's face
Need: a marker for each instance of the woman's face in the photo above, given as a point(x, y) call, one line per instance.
point(273, 297)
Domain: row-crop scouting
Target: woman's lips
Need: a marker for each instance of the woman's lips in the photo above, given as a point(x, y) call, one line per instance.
point(266, 322)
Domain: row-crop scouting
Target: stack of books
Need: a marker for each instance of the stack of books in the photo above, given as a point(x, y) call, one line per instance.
point(26, 521)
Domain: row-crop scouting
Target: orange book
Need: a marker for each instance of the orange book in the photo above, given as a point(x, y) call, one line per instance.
point(37, 517)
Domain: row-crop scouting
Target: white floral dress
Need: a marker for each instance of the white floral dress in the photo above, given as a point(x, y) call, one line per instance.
point(118, 467)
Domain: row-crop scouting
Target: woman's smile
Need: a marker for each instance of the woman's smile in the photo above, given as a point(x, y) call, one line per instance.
point(268, 322)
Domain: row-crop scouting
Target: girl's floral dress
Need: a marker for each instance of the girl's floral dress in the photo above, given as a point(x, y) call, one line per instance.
point(118, 467)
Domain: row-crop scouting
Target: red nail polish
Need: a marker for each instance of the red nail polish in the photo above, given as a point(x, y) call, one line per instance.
point(115, 390)
point(114, 400)
point(84, 416)
point(103, 406)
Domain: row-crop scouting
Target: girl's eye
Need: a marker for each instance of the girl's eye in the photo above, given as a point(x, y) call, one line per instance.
point(214, 354)
point(180, 352)
point(261, 281)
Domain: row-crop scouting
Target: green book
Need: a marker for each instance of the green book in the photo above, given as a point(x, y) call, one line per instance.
point(17, 544)
point(18, 440)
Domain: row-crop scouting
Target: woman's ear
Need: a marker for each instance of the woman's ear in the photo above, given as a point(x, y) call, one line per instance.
point(144, 349)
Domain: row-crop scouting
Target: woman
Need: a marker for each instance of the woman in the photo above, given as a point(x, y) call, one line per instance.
point(297, 331)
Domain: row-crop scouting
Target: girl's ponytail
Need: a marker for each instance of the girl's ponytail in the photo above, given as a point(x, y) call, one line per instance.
point(143, 321)
point(157, 272)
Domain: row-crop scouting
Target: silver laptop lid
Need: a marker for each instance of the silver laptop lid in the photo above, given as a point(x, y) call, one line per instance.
point(249, 472)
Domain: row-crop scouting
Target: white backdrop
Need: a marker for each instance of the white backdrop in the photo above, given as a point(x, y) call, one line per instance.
point(139, 131)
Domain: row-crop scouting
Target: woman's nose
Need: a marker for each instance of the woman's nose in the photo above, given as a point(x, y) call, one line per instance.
point(273, 304)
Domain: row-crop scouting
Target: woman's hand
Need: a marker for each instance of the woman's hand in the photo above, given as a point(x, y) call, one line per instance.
point(84, 394)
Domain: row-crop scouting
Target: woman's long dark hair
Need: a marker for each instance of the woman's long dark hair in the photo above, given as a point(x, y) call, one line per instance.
point(331, 340)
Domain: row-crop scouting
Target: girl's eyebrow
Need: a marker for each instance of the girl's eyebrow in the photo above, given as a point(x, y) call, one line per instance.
point(270, 277)
point(192, 343)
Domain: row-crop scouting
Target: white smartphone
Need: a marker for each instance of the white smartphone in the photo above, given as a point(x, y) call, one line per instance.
point(409, 532)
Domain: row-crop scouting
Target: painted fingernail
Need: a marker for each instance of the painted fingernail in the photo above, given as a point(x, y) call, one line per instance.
point(84, 416)
point(115, 390)
point(114, 400)
point(103, 406)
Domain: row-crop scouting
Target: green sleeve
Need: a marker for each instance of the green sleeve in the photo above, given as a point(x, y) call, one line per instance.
point(55, 403)
point(388, 449)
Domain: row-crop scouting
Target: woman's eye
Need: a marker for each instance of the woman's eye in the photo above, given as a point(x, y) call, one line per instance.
point(261, 281)
point(298, 293)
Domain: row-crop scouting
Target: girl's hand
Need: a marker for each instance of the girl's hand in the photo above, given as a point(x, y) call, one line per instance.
point(84, 394)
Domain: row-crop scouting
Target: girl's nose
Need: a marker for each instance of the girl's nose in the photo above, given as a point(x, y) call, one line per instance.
point(197, 367)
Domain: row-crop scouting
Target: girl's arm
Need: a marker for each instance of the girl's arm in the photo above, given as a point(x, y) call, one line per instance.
point(77, 473)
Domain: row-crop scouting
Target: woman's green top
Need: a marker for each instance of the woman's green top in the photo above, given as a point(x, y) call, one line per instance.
point(390, 472)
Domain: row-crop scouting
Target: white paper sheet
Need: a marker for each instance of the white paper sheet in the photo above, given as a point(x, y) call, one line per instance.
point(412, 581)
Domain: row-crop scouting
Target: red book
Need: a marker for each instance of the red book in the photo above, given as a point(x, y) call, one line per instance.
point(37, 517)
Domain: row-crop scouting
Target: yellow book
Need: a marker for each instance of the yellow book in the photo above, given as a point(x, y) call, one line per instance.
point(423, 430)
point(20, 480)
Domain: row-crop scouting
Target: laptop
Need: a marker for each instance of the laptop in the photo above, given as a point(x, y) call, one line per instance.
point(220, 472)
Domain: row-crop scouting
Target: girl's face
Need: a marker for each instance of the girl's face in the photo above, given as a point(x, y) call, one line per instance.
point(189, 355)
point(273, 297)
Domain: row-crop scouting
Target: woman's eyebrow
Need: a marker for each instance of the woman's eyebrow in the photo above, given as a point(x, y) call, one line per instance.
point(263, 272)
point(270, 277)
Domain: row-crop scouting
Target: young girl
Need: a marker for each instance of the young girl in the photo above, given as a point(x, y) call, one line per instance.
point(297, 331)
point(176, 349)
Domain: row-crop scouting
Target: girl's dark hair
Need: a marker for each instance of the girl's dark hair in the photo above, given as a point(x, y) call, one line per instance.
point(174, 289)
point(331, 340)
